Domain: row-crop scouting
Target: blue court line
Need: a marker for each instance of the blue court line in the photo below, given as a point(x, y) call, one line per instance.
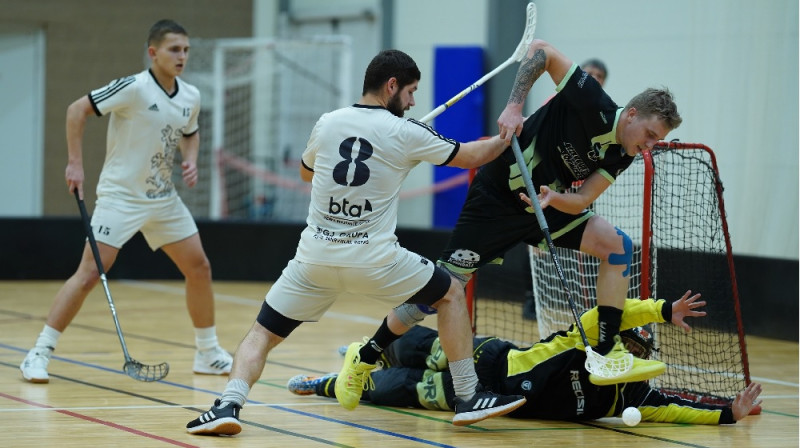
point(216, 394)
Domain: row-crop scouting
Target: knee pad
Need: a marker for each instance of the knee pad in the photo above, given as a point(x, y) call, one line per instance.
point(411, 314)
point(462, 277)
point(626, 257)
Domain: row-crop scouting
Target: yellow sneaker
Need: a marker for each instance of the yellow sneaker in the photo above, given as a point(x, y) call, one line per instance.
point(642, 369)
point(353, 378)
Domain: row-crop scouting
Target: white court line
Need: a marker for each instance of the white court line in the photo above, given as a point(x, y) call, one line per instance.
point(245, 301)
point(341, 316)
point(164, 406)
point(763, 380)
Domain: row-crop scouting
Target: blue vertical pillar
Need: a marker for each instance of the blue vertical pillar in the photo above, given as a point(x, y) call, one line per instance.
point(454, 69)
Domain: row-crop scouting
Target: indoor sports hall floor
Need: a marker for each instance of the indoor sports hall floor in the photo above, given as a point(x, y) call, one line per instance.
point(89, 402)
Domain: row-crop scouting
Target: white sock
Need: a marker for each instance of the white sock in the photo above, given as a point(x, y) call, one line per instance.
point(206, 338)
point(48, 338)
point(235, 391)
point(465, 380)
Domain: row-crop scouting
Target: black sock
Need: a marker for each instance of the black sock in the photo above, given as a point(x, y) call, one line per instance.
point(326, 388)
point(374, 347)
point(609, 320)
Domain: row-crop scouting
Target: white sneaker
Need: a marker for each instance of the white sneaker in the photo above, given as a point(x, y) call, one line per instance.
point(215, 361)
point(34, 366)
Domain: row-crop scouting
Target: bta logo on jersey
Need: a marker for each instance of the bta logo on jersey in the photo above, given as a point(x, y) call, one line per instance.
point(347, 208)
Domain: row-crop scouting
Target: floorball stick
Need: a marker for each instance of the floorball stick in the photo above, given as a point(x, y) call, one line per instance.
point(595, 362)
point(132, 368)
point(519, 53)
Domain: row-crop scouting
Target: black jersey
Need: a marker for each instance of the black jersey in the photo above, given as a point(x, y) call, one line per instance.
point(566, 140)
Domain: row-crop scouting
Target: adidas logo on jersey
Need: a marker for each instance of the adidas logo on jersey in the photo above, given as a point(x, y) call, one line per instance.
point(154, 107)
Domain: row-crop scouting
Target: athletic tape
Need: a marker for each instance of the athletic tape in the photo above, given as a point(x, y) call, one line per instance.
point(626, 257)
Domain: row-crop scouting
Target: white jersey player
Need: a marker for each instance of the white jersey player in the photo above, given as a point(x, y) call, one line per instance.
point(357, 158)
point(153, 115)
point(366, 152)
point(144, 131)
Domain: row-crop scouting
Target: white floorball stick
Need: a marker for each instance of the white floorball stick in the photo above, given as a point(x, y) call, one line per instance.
point(132, 367)
point(595, 363)
point(519, 53)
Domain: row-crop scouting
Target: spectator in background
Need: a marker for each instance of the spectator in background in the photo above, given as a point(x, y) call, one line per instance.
point(595, 68)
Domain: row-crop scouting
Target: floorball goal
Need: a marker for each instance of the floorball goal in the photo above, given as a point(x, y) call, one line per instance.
point(669, 201)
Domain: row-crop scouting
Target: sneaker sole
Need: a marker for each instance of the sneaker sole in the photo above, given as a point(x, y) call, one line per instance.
point(297, 390)
point(468, 418)
point(36, 380)
point(227, 426)
point(222, 373)
point(33, 379)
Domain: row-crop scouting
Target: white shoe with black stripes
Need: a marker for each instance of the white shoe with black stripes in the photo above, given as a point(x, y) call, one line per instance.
point(485, 404)
point(220, 420)
point(215, 361)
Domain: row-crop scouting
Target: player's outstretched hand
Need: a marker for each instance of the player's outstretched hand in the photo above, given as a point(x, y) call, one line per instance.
point(545, 194)
point(745, 401)
point(685, 307)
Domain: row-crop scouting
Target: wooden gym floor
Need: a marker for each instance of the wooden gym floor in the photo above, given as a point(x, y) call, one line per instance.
point(89, 402)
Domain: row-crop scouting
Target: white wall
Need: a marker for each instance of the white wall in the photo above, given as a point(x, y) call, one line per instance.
point(420, 26)
point(21, 120)
point(733, 66)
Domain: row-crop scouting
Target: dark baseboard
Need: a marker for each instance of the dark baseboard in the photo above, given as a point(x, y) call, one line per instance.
point(50, 248)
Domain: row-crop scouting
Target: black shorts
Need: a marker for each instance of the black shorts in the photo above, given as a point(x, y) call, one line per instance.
point(491, 223)
point(490, 360)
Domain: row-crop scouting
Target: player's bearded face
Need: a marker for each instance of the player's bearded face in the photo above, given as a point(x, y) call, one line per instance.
point(395, 105)
point(402, 100)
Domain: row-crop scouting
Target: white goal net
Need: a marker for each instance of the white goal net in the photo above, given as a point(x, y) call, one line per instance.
point(260, 100)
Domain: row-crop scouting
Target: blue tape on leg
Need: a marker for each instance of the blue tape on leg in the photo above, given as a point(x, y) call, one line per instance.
point(427, 309)
point(626, 257)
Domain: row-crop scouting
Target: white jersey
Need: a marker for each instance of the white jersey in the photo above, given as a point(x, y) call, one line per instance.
point(360, 156)
point(145, 128)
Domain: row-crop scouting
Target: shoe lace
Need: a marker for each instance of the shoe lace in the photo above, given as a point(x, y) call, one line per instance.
point(39, 358)
point(361, 374)
point(369, 384)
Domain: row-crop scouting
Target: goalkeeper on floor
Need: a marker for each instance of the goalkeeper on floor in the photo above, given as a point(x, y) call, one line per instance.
point(550, 374)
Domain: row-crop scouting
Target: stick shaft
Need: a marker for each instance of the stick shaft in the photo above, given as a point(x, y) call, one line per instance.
point(441, 108)
point(537, 208)
point(87, 227)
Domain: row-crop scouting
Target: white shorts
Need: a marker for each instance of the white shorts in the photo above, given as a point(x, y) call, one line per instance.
point(115, 222)
point(305, 291)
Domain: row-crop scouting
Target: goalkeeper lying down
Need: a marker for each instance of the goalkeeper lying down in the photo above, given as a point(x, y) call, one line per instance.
point(550, 374)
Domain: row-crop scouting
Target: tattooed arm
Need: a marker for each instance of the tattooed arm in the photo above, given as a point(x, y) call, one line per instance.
point(541, 57)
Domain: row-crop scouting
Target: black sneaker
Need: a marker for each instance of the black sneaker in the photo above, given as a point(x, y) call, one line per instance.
point(217, 421)
point(483, 405)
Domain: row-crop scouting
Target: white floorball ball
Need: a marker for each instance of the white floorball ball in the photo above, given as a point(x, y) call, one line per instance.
point(631, 416)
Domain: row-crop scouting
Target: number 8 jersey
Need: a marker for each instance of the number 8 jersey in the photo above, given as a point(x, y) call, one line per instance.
point(360, 156)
